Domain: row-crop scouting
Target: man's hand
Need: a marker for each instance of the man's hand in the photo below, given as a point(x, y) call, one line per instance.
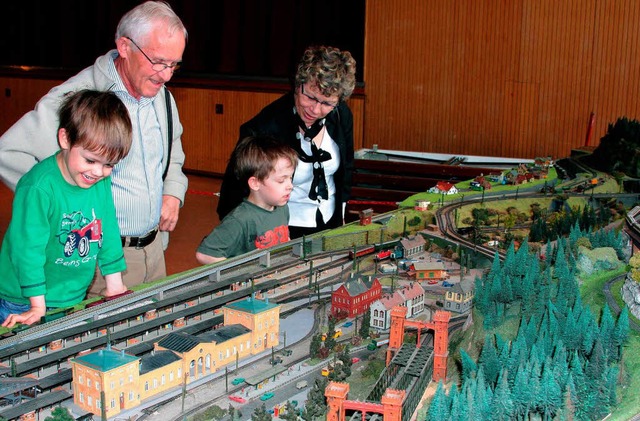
point(170, 212)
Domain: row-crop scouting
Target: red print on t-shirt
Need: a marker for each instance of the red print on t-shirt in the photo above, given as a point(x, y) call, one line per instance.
point(273, 237)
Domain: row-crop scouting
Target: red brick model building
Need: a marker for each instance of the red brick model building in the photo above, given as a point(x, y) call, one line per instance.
point(355, 296)
point(365, 216)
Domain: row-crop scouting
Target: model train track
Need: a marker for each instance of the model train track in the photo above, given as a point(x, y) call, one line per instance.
point(189, 296)
point(192, 297)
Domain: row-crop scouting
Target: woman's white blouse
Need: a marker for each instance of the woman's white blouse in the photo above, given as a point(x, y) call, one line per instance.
point(302, 210)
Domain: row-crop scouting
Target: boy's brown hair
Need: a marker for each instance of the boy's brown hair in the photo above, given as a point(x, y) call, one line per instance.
point(256, 156)
point(97, 121)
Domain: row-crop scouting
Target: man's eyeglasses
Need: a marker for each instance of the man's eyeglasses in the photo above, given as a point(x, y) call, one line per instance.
point(324, 104)
point(155, 65)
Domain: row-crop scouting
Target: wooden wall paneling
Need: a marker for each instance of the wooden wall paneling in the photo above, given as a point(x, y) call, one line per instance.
point(195, 108)
point(20, 95)
point(209, 138)
point(402, 110)
point(356, 105)
point(633, 41)
point(484, 77)
point(560, 60)
point(238, 108)
point(615, 66)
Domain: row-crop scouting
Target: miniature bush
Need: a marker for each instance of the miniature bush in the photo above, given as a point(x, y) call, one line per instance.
point(374, 368)
point(634, 262)
point(212, 413)
point(600, 259)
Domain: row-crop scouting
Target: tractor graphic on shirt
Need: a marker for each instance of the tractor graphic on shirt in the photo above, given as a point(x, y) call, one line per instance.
point(81, 232)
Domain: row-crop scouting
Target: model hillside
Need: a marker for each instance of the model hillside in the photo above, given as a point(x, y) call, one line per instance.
point(619, 149)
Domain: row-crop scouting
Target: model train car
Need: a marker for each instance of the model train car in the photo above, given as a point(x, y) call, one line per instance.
point(382, 255)
point(107, 299)
point(362, 251)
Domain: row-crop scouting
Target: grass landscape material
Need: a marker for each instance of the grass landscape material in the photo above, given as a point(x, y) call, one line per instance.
point(628, 397)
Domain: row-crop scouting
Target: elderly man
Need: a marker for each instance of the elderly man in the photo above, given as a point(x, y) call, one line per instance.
point(148, 185)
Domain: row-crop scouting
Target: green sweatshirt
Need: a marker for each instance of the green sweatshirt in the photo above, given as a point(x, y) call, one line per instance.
point(57, 234)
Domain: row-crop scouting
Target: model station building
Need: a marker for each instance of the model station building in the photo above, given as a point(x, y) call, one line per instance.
point(120, 381)
point(429, 271)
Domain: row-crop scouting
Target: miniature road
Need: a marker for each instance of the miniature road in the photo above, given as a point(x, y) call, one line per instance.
point(613, 305)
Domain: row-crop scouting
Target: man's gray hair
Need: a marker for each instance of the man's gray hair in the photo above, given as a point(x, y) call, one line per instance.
point(139, 21)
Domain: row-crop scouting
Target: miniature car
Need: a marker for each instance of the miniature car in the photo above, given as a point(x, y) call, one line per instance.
point(237, 381)
point(432, 282)
point(238, 399)
point(447, 284)
point(355, 360)
point(347, 324)
point(266, 396)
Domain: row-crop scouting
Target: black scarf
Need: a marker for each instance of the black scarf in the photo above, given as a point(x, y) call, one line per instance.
point(317, 157)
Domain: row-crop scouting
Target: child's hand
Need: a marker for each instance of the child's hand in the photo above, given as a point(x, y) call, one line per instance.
point(110, 292)
point(29, 317)
point(115, 285)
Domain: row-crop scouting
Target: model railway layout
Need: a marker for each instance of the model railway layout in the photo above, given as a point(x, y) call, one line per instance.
point(187, 302)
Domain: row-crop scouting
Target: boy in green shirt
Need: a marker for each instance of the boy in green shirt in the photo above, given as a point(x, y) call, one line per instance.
point(265, 166)
point(63, 222)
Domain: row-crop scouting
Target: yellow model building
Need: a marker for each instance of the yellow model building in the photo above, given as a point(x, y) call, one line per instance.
point(251, 326)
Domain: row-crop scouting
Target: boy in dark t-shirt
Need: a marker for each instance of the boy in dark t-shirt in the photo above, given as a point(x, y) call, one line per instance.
point(265, 166)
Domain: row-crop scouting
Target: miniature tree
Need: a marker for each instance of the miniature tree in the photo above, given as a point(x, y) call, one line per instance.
point(290, 412)
point(315, 345)
point(338, 374)
point(568, 411)
point(316, 405)
point(621, 332)
point(330, 341)
point(489, 360)
point(346, 360)
point(234, 414)
point(364, 327)
point(438, 408)
point(469, 367)
point(60, 413)
point(458, 405)
point(502, 405)
point(261, 414)
point(522, 392)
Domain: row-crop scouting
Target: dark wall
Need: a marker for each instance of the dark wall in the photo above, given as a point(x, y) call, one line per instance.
point(249, 38)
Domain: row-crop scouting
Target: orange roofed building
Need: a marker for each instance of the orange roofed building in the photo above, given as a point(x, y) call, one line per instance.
point(429, 271)
point(251, 327)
